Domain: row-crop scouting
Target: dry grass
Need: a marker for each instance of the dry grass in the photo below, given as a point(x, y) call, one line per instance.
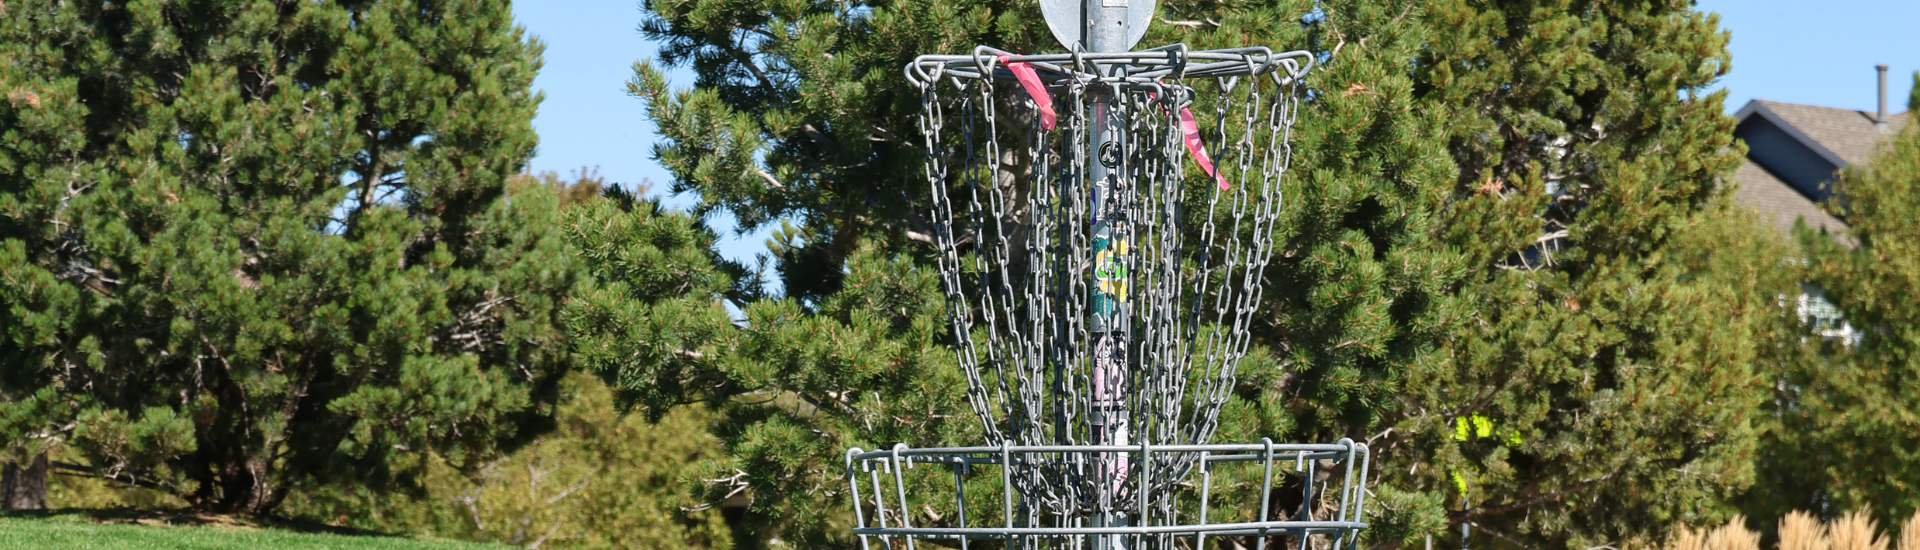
point(1732, 536)
point(1684, 538)
point(1800, 531)
point(1910, 533)
point(1856, 531)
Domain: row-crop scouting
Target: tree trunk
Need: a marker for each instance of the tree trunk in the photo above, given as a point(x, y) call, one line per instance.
point(24, 488)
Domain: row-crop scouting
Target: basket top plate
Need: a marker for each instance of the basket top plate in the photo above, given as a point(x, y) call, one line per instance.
point(1065, 18)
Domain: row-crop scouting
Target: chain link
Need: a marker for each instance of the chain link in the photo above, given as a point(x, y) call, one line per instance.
point(1033, 256)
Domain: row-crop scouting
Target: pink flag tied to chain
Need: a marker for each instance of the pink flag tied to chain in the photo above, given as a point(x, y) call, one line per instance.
point(1190, 132)
point(1189, 128)
point(1031, 81)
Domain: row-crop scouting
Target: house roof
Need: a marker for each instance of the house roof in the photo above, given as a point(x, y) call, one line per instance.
point(1843, 136)
point(1761, 190)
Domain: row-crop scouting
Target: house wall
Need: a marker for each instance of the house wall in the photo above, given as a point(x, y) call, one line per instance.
point(1771, 148)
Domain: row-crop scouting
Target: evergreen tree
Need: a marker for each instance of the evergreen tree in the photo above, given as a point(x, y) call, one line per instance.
point(798, 116)
point(248, 246)
point(1544, 327)
point(1602, 385)
point(655, 326)
point(1848, 409)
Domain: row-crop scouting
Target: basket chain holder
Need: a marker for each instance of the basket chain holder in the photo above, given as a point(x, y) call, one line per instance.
point(1100, 297)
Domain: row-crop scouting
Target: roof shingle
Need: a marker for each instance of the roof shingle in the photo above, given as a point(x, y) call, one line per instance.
point(1847, 133)
point(1759, 189)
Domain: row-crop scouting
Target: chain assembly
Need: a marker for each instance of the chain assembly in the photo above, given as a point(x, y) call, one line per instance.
point(1103, 252)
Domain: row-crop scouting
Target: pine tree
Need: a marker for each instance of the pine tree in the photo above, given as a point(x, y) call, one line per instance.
point(799, 117)
point(250, 246)
point(1848, 409)
point(1602, 385)
point(655, 325)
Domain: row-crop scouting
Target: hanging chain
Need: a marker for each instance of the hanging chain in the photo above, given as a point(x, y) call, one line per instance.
point(1112, 311)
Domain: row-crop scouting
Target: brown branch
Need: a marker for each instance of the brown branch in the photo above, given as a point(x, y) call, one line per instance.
point(1498, 535)
point(746, 58)
point(1458, 516)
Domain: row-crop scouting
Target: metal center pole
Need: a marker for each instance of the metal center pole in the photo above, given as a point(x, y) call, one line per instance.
point(1104, 30)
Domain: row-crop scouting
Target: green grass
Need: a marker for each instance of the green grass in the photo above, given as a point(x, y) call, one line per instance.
point(83, 532)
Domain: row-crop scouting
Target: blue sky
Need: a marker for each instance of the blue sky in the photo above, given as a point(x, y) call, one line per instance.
point(1819, 53)
point(588, 120)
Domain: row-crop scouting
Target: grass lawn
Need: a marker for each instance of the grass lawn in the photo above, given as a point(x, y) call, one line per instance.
point(82, 531)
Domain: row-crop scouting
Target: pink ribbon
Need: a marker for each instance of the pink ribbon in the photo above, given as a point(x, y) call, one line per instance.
point(1031, 81)
point(1190, 132)
point(1189, 128)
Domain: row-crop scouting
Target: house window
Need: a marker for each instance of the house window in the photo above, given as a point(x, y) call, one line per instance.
point(1822, 317)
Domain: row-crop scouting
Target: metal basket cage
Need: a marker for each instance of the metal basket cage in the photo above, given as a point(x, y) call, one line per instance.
point(879, 509)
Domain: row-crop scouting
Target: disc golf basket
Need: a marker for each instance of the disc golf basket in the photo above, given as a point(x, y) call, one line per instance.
point(1100, 295)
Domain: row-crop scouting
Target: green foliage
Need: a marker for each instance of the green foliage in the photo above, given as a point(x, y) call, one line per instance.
point(1615, 300)
point(602, 479)
point(799, 117)
point(794, 386)
point(799, 113)
point(249, 245)
point(655, 325)
point(1510, 265)
point(587, 185)
point(864, 370)
point(1913, 97)
point(1848, 411)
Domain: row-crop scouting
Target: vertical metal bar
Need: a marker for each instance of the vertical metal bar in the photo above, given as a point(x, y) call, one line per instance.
point(1146, 480)
point(1306, 500)
point(1465, 527)
point(1360, 496)
point(1146, 483)
point(879, 504)
point(960, 498)
point(853, 486)
point(900, 489)
point(1305, 467)
point(1206, 490)
point(1006, 482)
point(1346, 493)
point(1104, 30)
point(1266, 489)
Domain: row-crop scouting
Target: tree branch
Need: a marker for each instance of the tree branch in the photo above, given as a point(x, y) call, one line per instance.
point(1543, 497)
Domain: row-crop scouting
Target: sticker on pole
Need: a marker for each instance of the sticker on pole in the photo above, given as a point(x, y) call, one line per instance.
point(1067, 17)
